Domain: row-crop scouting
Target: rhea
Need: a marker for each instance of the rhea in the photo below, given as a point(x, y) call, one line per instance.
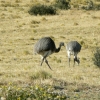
point(73, 48)
point(45, 47)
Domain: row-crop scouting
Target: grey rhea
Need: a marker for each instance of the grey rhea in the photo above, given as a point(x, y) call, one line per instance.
point(45, 47)
point(73, 48)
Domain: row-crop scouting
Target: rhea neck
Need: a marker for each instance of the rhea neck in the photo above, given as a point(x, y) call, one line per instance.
point(58, 49)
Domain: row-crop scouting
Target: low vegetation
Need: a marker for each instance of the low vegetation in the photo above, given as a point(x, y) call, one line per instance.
point(48, 10)
point(42, 10)
point(96, 57)
point(62, 4)
point(36, 92)
point(41, 75)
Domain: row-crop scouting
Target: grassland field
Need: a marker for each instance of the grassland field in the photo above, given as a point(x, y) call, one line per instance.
point(19, 31)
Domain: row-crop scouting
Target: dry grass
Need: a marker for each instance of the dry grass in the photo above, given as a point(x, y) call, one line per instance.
point(19, 31)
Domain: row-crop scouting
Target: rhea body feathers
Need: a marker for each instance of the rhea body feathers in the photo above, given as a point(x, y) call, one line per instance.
point(73, 48)
point(45, 47)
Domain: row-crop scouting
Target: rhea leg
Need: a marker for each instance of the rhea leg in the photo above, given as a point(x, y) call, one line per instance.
point(47, 63)
point(68, 52)
point(75, 59)
point(42, 60)
point(43, 57)
point(69, 61)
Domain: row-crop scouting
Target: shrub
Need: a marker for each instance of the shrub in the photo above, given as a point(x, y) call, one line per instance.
point(97, 6)
point(62, 4)
point(96, 57)
point(36, 92)
point(42, 10)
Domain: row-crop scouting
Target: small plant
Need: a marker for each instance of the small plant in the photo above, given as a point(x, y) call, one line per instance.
point(34, 22)
point(32, 38)
point(58, 61)
point(82, 42)
point(42, 10)
point(96, 57)
point(76, 24)
point(26, 52)
point(44, 19)
point(62, 4)
point(83, 58)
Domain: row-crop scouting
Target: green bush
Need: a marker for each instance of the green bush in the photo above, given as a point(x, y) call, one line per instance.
point(62, 4)
point(96, 57)
point(36, 92)
point(42, 10)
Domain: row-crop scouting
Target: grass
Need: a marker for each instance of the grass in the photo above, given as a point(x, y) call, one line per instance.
point(18, 65)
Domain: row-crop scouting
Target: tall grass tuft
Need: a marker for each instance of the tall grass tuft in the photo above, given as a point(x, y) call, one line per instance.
point(96, 57)
point(41, 75)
